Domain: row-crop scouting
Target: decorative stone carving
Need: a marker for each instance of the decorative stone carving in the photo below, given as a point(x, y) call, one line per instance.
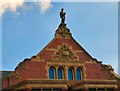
point(64, 53)
point(63, 31)
point(14, 74)
point(108, 67)
point(21, 65)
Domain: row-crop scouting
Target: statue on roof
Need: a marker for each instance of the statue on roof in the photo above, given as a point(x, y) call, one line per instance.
point(62, 16)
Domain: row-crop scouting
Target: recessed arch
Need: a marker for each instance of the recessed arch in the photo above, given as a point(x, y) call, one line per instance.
point(78, 74)
point(70, 73)
point(60, 73)
point(51, 72)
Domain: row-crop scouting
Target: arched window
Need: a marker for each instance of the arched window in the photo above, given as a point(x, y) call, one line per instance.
point(60, 73)
point(70, 74)
point(78, 74)
point(51, 73)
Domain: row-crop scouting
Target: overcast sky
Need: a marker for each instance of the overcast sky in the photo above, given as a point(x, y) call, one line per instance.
point(29, 27)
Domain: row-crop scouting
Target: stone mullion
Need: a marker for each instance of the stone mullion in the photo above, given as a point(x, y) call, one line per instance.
point(105, 89)
point(41, 89)
point(75, 73)
point(63, 72)
point(47, 71)
point(86, 89)
point(56, 72)
point(84, 75)
point(66, 72)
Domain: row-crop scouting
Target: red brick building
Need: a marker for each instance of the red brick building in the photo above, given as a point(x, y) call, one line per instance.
point(62, 65)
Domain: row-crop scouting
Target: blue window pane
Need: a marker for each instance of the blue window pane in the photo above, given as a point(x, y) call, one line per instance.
point(51, 73)
point(78, 74)
point(109, 89)
point(47, 89)
point(101, 89)
point(70, 74)
point(57, 89)
point(60, 73)
point(92, 89)
point(35, 89)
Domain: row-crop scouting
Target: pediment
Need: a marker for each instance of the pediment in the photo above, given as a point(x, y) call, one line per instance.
point(65, 53)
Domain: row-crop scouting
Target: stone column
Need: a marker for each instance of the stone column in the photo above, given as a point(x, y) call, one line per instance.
point(56, 72)
point(66, 73)
point(75, 73)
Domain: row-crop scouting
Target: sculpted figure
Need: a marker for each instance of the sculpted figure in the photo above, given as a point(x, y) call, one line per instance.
point(62, 16)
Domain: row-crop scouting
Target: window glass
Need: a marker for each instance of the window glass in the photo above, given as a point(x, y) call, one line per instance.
point(92, 89)
point(70, 74)
point(57, 89)
point(51, 73)
point(78, 74)
point(47, 89)
point(60, 73)
point(101, 89)
point(109, 89)
point(36, 89)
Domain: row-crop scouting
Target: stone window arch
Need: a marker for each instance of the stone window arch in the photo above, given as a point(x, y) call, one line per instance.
point(70, 73)
point(60, 72)
point(78, 73)
point(51, 72)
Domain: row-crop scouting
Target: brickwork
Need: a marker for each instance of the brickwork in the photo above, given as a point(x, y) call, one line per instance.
point(63, 51)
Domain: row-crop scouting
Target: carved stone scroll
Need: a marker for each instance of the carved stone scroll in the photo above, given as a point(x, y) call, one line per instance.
point(64, 53)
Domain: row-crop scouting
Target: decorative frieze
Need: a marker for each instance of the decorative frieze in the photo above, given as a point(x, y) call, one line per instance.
point(64, 53)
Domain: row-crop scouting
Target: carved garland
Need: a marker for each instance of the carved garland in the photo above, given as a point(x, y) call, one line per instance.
point(64, 53)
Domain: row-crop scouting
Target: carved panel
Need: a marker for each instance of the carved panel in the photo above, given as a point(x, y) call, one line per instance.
point(14, 74)
point(65, 53)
